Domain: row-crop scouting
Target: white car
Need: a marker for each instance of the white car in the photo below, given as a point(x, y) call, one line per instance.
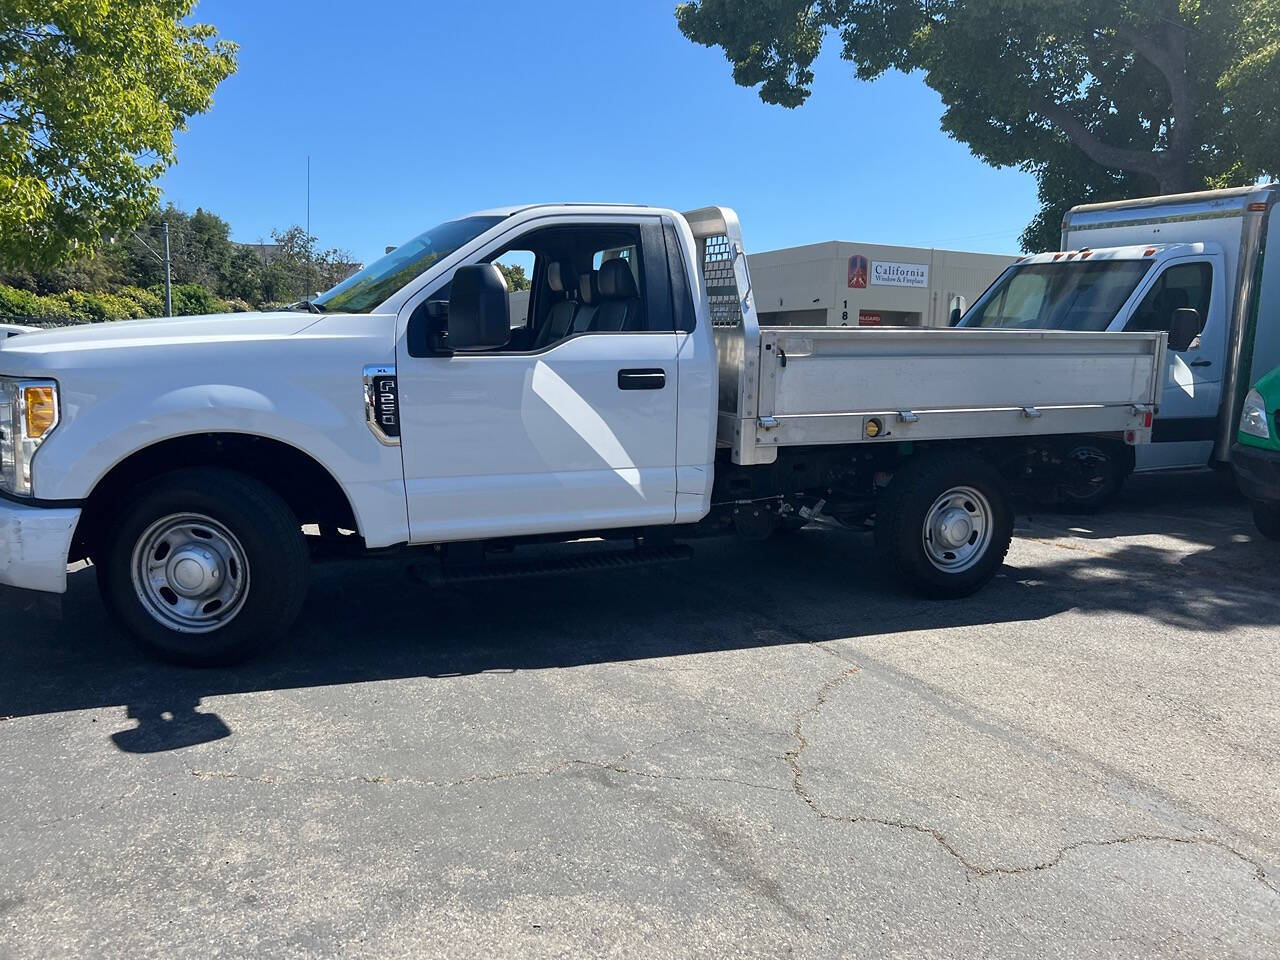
point(636, 401)
point(13, 329)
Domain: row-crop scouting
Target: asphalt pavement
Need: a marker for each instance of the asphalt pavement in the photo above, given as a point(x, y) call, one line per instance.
point(769, 750)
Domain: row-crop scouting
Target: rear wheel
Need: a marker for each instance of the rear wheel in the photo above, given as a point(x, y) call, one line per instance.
point(944, 524)
point(204, 567)
point(1093, 474)
point(1266, 517)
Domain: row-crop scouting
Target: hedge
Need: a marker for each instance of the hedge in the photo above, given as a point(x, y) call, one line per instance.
point(76, 306)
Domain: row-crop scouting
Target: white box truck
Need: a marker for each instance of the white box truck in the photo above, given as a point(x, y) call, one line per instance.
point(639, 403)
point(1193, 266)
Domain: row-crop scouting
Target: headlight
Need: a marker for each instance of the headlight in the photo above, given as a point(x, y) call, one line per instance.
point(1253, 418)
point(28, 414)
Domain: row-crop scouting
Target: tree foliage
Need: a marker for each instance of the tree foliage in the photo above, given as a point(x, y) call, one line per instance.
point(1100, 99)
point(204, 258)
point(91, 93)
point(514, 274)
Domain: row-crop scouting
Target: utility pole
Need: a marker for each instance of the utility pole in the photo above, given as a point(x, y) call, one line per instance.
point(168, 265)
point(168, 274)
point(310, 291)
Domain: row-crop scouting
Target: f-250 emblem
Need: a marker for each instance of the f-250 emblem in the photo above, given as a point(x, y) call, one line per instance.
point(382, 403)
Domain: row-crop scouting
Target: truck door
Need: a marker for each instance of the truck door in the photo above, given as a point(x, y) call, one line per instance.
point(570, 426)
point(1183, 434)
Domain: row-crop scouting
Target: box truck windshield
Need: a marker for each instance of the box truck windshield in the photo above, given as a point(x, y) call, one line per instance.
point(1075, 295)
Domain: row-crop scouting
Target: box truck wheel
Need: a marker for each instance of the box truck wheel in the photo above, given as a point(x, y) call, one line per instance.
point(204, 566)
point(1093, 474)
point(1266, 517)
point(944, 524)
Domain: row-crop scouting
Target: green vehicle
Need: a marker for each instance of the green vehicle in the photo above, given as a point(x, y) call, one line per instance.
point(1255, 456)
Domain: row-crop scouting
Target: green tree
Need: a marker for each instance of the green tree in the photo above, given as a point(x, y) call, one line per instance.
point(514, 275)
point(1099, 99)
point(91, 94)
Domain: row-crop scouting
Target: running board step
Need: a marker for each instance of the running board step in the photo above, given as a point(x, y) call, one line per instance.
point(583, 563)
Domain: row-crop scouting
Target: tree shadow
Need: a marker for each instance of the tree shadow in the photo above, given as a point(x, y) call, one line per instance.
point(368, 621)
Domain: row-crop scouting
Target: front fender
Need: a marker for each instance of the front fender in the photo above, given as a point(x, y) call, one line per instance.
point(315, 404)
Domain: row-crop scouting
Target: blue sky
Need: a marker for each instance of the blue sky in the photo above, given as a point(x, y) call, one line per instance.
point(414, 113)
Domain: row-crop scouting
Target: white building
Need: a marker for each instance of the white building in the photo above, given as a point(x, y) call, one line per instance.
point(868, 284)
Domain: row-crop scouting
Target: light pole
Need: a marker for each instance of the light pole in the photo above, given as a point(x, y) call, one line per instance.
point(168, 274)
point(168, 271)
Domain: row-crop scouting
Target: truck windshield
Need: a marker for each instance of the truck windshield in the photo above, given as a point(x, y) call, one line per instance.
point(364, 290)
point(1059, 296)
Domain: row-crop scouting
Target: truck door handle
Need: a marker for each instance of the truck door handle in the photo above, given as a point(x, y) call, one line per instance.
point(1200, 363)
point(642, 379)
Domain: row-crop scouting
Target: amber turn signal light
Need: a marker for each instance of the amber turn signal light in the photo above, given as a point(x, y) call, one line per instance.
point(40, 410)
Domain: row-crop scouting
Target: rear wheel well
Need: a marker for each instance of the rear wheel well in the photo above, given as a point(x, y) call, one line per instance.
point(309, 489)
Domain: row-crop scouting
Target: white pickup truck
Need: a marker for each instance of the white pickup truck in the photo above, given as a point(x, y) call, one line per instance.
point(201, 463)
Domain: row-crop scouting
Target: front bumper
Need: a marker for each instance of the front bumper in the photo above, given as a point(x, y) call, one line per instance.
point(1257, 471)
point(34, 545)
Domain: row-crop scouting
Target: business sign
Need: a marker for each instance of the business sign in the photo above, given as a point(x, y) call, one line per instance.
point(885, 274)
point(870, 318)
point(859, 271)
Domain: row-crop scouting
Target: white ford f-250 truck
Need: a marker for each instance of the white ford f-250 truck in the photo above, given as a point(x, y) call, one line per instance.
point(636, 401)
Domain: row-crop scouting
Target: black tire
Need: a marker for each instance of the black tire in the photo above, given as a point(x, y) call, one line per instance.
point(906, 505)
point(265, 532)
point(1095, 474)
point(1266, 517)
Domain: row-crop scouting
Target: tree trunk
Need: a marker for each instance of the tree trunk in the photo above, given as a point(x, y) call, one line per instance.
point(1179, 178)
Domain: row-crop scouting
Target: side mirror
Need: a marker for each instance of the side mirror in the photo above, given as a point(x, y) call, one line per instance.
point(479, 309)
point(427, 333)
point(1184, 329)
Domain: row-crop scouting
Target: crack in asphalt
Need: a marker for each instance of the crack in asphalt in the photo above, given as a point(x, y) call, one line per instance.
point(792, 758)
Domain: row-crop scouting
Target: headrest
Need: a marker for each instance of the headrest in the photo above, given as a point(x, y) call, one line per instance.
point(560, 277)
point(616, 281)
point(589, 287)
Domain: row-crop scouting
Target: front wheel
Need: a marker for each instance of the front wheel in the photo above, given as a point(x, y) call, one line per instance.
point(944, 524)
point(1266, 517)
point(204, 567)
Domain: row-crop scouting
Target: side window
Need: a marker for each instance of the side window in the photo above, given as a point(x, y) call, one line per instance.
point(517, 268)
point(575, 280)
point(1182, 285)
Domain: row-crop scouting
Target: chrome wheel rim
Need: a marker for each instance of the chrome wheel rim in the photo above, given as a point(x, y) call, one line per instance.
point(957, 529)
point(190, 573)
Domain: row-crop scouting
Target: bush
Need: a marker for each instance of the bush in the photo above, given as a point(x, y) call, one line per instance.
point(25, 305)
point(77, 306)
point(191, 299)
point(147, 302)
point(55, 310)
point(97, 307)
point(19, 303)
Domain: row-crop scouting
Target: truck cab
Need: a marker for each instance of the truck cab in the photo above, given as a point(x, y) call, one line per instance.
point(1146, 264)
point(593, 407)
point(1146, 287)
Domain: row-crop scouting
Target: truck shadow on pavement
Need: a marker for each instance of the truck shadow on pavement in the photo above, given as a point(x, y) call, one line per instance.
point(1178, 550)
